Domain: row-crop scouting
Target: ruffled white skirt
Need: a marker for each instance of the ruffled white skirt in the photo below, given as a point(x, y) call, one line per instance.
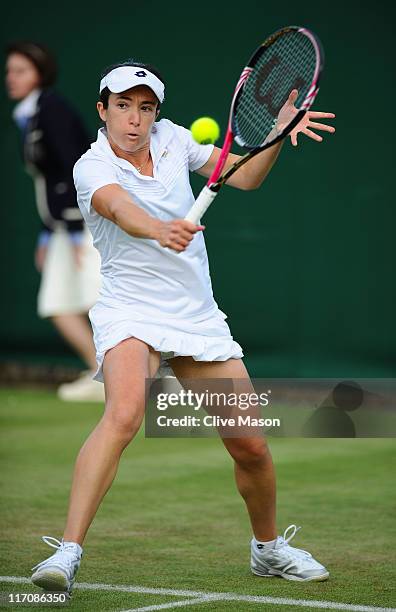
point(205, 338)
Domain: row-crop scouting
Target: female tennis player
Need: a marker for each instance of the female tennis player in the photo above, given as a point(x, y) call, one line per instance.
point(156, 302)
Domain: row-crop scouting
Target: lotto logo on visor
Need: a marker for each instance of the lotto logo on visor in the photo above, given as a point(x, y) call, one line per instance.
point(125, 77)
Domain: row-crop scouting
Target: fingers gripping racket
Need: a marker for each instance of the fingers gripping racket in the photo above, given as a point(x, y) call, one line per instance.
point(292, 58)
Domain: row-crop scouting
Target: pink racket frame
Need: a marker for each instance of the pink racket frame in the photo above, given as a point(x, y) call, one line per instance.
point(213, 185)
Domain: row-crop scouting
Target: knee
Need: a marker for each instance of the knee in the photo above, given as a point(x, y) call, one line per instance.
point(250, 453)
point(123, 422)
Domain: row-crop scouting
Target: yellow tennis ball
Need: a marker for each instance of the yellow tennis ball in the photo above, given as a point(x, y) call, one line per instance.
point(205, 130)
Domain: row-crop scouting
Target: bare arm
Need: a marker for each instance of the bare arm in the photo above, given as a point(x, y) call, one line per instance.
point(115, 204)
point(250, 175)
point(253, 173)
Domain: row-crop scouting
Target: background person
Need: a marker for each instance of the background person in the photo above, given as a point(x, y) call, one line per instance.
point(53, 138)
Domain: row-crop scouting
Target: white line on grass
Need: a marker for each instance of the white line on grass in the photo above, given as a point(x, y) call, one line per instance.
point(277, 601)
point(175, 604)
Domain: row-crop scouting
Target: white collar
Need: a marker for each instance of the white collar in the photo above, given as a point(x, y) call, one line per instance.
point(27, 107)
point(157, 146)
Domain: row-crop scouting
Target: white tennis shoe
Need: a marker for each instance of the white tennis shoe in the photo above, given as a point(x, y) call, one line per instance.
point(58, 572)
point(285, 561)
point(84, 389)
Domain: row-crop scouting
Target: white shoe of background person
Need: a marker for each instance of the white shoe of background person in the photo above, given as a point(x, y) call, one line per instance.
point(58, 572)
point(280, 559)
point(164, 371)
point(84, 389)
point(169, 382)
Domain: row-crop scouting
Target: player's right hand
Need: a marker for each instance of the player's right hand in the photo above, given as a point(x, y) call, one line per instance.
point(177, 235)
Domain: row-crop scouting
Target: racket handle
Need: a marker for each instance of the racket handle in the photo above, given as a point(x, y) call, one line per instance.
point(201, 205)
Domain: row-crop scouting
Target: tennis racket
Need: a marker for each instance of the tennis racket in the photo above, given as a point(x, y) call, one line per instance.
point(291, 58)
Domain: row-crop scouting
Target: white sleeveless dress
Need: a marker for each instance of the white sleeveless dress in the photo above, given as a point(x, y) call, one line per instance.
point(148, 292)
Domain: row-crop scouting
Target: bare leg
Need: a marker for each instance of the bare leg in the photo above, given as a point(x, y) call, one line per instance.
point(77, 332)
point(254, 470)
point(255, 478)
point(125, 369)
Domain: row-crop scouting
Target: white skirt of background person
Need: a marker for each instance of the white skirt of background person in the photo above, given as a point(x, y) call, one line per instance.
point(67, 288)
point(154, 294)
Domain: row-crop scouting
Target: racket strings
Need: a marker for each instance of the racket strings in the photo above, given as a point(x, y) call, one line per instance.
point(289, 63)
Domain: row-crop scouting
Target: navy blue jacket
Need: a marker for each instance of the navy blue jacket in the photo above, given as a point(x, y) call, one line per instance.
point(54, 139)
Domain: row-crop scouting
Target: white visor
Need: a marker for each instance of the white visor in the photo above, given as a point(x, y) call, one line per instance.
point(125, 77)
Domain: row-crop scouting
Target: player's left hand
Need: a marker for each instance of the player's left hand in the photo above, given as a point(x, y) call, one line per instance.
point(289, 111)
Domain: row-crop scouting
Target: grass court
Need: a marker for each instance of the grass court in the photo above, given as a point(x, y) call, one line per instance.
point(173, 528)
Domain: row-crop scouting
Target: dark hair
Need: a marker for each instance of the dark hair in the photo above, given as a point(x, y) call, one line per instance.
point(105, 94)
point(40, 56)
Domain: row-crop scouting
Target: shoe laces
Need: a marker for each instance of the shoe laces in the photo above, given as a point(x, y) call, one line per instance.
point(64, 555)
point(285, 539)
